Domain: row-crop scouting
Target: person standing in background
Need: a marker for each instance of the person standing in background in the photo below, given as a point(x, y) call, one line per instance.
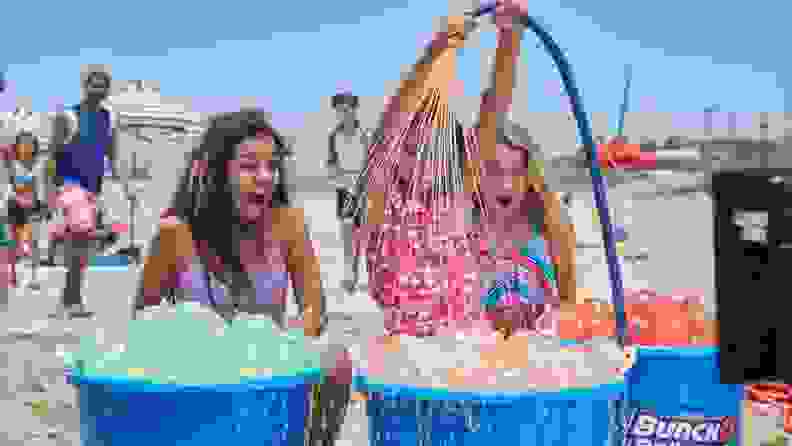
point(347, 154)
point(84, 138)
point(25, 189)
point(7, 244)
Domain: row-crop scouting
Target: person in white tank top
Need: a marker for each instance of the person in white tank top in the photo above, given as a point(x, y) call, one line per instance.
point(347, 154)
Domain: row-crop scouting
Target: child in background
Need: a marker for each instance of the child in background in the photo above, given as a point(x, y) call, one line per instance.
point(26, 182)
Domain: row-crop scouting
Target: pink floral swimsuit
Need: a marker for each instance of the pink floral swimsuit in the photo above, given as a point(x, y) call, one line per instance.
point(423, 278)
point(427, 278)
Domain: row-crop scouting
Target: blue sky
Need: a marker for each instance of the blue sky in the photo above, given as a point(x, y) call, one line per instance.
point(686, 54)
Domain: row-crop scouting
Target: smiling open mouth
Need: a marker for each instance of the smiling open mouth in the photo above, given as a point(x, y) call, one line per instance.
point(504, 201)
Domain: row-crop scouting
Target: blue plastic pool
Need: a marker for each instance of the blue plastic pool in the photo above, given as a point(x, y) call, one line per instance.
point(126, 412)
point(401, 415)
point(673, 381)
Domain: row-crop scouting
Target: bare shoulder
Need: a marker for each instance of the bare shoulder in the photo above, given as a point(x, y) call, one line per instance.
point(289, 223)
point(173, 227)
point(175, 237)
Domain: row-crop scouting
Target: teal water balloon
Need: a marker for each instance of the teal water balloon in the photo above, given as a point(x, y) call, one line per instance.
point(185, 345)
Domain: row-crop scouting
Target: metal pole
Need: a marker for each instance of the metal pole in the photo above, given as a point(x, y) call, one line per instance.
point(763, 129)
point(625, 99)
point(706, 146)
point(708, 119)
point(134, 165)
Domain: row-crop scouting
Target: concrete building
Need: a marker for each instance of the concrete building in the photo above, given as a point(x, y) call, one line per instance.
point(141, 108)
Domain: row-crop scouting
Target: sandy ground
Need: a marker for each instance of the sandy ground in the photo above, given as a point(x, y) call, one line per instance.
point(664, 225)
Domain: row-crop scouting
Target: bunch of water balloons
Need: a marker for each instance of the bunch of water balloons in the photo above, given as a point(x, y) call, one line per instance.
point(190, 345)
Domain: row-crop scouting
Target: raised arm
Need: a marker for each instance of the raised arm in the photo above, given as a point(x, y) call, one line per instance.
point(434, 69)
point(495, 106)
point(497, 100)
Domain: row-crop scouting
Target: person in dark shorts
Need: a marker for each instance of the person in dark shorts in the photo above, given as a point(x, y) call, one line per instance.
point(348, 150)
point(26, 180)
point(84, 140)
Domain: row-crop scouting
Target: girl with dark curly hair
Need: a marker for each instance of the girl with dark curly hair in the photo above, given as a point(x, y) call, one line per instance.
point(234, 205)
point(232, 240)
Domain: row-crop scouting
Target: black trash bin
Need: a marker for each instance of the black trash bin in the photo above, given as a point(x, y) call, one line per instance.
point(753, 248)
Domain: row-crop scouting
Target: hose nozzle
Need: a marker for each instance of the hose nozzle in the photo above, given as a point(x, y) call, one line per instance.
point(482, 10)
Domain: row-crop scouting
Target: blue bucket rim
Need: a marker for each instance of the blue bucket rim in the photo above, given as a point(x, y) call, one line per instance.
point(142, 385)
point(676, 352)
point(661, 351)
point(109, 268)
point(392, 391)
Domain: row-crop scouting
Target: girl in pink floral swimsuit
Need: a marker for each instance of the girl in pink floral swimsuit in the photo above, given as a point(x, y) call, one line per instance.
point(428, 267)
point(423, 249)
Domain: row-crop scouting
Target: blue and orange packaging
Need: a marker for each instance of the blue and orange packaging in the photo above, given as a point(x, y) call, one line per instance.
point(644, 428)
point(767, 414)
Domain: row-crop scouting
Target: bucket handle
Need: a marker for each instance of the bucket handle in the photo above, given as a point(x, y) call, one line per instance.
point(597, 180)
